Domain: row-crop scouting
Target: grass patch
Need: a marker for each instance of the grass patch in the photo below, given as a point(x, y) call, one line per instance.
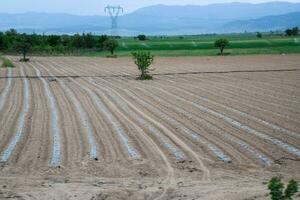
point(6, 63)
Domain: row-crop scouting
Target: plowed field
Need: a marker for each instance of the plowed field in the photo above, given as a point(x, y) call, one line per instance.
point(204, 128)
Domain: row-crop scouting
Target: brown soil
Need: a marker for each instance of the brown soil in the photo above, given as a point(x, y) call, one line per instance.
point(204, 128)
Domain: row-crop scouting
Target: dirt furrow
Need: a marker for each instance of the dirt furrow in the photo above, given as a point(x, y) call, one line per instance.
point(166, 142)
point(252, 86)
point(4, 93)
point(246, 95)
point(185, 130)
point(55, 127)
point(265, 92)
point(187, 115)
point(221, 133)
point(85, 121)
point(243, 114)
point(20, 129)
point(178, 126)
point(224, 93)
point(291, 149)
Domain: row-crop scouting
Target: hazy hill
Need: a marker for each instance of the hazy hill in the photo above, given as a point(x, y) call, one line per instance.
point(278, 22)
point(161, 19)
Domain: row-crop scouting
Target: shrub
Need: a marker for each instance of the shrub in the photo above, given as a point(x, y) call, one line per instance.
point(6, 63)
point(259, 35)
point(276, 188)
point(221, 44)
point(143, 60)
point(110, 45)
point(23, 46)
point(142, 37)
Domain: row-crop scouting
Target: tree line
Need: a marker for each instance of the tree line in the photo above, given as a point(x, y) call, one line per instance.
point(12, 41)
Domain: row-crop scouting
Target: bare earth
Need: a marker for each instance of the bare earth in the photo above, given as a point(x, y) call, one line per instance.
point(204, 128)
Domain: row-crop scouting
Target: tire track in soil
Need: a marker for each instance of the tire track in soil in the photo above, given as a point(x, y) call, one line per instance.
point(291, 149)
point(185, 130)
point(22, 120)
point(260, 101)
point(265, 161)
point(243, 114)
point(169, 146)
point(111, 144)
point(232, 96)
point(273, 100)
point(121, 100)
point(270, 93)
point(169, 180)
point(55, 128)
point(84, 120)
point(132, 152)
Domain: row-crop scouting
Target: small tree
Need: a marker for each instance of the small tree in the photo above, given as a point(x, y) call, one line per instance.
point(142, 37)
point(110, 45)
point(259, 35)
point(289, 32)
point(295, 31)
point(221, 44)
point(276, 188)
point(143, 60)
point(23, 46)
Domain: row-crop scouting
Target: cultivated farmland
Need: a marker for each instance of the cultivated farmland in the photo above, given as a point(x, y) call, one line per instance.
point(204, 128)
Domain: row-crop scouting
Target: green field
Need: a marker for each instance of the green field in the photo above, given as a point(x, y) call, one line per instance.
point(204, 45)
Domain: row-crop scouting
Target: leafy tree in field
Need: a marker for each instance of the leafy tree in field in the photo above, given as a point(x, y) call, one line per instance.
point(23, 46)
point(288, 32)
point(142, 37)
point(54, 40)
point(259, 35)
point(295, 31)
point(78, 41)
point(292, 32)
point(110, 45)
point(101, 40)
point(90, 41)
point(221, 44)
point(143, 60)
point(277, 191)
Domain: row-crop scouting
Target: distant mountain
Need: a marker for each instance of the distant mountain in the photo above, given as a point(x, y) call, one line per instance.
point(162, 19)
point(228, 11)
point(267, 23)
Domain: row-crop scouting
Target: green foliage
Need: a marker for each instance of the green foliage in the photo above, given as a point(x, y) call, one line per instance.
point(258, 35)
point(6, 63)
point(23, 46)
point(292, 188)
point(221, 44)
point(277, 192)
point(143, 60)
point(292, 32)
point(110, 45)
point(142, 37)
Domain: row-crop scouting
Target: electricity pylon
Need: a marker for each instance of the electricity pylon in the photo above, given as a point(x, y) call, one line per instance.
point(114, 12)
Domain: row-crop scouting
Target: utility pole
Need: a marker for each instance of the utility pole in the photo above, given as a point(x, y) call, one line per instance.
point(114, 13)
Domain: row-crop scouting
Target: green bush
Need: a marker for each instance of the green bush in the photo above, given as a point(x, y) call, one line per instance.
point(6, 63)
point(276, 188)
point(221, 44)
point(110, 45)
point(143, 60)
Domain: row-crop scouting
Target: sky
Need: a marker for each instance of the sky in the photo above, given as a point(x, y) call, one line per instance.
point(96, 7)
